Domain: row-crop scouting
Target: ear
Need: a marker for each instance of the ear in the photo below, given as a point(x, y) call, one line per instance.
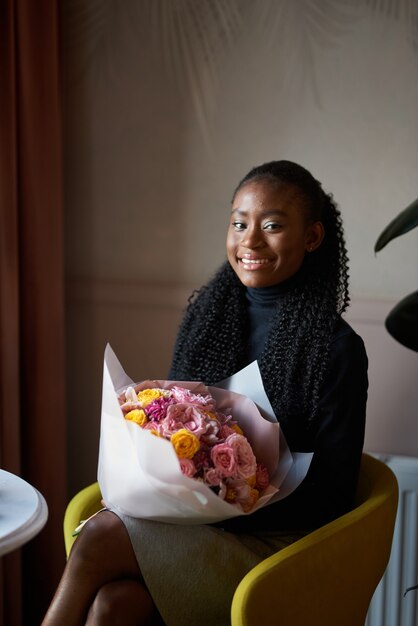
point(315, 236)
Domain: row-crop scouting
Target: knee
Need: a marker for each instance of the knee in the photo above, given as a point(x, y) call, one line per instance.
point(102, 525)
point(105, 607)
point(122, 602)
point(97, 537)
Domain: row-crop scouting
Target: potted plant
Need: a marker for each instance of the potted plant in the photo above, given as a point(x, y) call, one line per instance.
point(402, 321)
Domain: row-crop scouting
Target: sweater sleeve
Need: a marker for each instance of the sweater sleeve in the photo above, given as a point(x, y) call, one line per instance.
point(329, 488)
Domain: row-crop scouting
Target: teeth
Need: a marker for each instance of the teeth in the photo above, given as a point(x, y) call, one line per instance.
point(254, 261)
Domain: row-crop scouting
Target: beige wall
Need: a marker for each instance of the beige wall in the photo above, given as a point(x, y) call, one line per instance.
point(157, 136)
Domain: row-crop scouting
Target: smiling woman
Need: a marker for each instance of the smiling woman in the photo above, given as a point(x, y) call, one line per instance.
point(278, 300)
point(285, 243)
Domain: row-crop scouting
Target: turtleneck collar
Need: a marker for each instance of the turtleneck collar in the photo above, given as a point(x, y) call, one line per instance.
point(269, 295)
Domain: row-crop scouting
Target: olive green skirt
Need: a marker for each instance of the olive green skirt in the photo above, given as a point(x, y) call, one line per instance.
point(192, 572)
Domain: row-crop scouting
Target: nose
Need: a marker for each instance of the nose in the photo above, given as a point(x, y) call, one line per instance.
point(252, 238)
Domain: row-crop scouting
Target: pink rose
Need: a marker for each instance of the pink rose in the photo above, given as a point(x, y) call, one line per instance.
point(212, 477)
point(211, 436)
point(184, 396)
point(223, 459)
point(184, 416)
point(225, 431)
point(153, 426)
point(245, 461)
point(187, 467)
point(262, 478)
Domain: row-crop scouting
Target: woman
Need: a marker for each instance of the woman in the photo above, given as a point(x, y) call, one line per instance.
point(278, 299)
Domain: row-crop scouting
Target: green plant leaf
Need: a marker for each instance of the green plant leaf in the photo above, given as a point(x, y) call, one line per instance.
point(402, 321)
point(410, 589)
point(401, 224)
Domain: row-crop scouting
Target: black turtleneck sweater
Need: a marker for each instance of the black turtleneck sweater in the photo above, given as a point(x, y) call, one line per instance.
point(261, 304)
point(336, 436)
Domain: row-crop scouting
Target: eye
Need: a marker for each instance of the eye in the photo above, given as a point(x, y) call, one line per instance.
point(272, 226)
point(238, 225)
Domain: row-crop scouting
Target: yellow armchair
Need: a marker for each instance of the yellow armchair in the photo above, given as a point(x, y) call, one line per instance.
point(326, 578)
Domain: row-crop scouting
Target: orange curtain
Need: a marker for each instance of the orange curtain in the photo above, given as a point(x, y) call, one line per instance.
point(32, 403)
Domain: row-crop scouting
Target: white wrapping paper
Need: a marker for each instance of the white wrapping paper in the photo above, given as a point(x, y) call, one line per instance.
point(140, 474)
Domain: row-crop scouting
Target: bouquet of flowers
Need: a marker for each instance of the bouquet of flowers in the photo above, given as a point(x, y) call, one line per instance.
point(210, 445)
point(184, 453)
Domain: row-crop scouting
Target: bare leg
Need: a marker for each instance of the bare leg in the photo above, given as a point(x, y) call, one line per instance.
point(123, 603)
point(101, 555)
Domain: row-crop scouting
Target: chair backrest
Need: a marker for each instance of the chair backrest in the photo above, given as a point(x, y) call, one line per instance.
point(328, 577)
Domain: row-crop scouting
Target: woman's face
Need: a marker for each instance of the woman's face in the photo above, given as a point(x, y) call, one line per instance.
point(269, 233)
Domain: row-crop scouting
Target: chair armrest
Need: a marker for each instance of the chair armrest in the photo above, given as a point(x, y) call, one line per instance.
point(84, 504)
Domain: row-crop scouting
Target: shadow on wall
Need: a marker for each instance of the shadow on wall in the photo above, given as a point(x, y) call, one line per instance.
point(124, 191)
point(135, 126)
point(140, 322)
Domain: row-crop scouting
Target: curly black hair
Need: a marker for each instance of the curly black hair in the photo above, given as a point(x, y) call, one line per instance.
point(212, 338)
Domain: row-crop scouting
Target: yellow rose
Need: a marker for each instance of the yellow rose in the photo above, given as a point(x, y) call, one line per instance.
point(231, 494)
point(185, 443)
point(248, 504)
point(251, 481)
point(138, 416)
point(211, 415)
point(146, 396)
point(237, 429)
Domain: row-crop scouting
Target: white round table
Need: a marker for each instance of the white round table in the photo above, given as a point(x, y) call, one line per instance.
point(23, 512)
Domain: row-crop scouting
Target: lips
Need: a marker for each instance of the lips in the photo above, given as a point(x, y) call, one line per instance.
point(253, 263)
